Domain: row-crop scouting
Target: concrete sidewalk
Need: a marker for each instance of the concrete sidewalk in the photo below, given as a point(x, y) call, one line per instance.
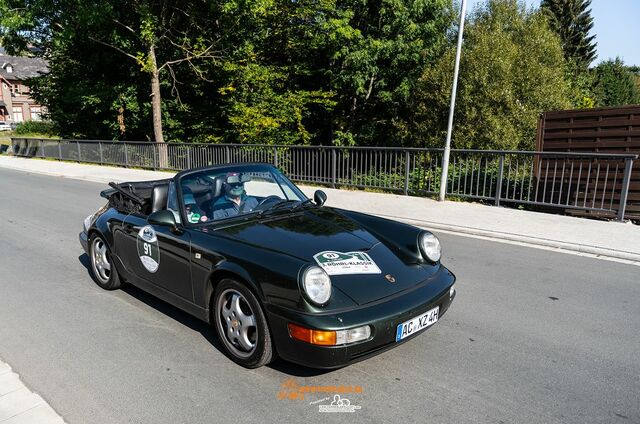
point(608, 240)
point(19, 405)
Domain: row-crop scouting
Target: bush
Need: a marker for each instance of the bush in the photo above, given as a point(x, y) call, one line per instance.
point(35, 127)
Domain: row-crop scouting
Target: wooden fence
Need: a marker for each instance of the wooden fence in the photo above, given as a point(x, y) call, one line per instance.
point(602, 130)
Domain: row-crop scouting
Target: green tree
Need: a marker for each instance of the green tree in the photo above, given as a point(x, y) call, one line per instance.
point(636, 76)
point(572, 21)
point(615, 84)
point(275, 71)
point(275, 90)
point(377, 53)
point(512, 69)
point(154, 35)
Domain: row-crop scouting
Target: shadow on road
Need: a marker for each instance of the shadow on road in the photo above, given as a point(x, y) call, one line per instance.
point(200, 326)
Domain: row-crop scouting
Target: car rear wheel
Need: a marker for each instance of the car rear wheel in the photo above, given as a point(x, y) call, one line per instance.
point(104, 272)
point(241, 325)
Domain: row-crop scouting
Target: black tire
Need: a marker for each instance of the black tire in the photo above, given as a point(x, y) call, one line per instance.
point(232, 325)
point(104, 271)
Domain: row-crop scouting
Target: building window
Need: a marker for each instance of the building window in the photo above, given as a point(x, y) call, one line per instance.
point(36, 113)
point(17, 114)
point(16, 89)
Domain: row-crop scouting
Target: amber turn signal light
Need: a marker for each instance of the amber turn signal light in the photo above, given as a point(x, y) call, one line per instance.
point(317, 337)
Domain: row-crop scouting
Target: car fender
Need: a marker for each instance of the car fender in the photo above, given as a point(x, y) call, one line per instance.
point(227, 269)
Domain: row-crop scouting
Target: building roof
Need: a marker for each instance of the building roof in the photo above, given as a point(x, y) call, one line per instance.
point(23, 67)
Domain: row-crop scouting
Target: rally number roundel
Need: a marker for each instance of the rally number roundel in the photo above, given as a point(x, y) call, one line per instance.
point(148, 249)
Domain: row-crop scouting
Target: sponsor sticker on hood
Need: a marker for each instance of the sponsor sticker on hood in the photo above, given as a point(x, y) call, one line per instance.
point(341, 263)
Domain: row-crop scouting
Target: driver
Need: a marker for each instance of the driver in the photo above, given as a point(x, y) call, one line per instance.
point(235, 199)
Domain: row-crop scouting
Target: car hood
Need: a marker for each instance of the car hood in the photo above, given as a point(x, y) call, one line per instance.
point(310, 232)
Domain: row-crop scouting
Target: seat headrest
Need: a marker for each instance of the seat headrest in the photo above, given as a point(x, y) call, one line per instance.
point(217, 187)
point(159, 197)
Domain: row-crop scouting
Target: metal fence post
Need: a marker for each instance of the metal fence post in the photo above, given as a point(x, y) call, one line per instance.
point(126, 155)
point(41, 148)
point(227, 154)
point(628, 165)
point(78, 148)
point(101, 155)
point(406, 172)
point(59, 150)
point(499, 181)
point(155, 157)
point(334, 165)
point(188, 157)
point(275, 157)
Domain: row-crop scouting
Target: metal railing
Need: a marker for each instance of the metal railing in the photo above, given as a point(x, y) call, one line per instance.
point(578, 181)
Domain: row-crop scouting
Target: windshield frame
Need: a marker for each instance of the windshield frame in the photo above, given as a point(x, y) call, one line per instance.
point(279, 177)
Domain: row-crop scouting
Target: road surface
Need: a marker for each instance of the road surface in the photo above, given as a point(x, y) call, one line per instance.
point(534, 336)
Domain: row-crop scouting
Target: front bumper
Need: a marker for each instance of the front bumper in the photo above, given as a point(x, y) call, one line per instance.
point(383, 316)
point(84, 241)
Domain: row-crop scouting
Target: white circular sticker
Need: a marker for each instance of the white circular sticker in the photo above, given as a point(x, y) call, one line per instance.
point(148, 249)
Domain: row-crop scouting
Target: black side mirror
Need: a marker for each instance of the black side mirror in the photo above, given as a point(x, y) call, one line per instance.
point(319, 197)
point(164, 218)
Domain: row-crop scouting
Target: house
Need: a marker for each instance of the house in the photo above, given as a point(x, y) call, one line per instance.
point(16, 105)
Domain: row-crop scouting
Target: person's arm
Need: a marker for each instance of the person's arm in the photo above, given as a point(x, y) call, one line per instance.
point(250, 203)
point(220, 213)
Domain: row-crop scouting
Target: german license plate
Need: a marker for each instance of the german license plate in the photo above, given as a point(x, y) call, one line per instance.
point(417, 324)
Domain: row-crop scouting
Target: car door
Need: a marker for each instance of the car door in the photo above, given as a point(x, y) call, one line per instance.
point(159, 255)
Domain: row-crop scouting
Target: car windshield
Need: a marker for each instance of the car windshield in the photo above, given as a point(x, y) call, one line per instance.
point(216, 194)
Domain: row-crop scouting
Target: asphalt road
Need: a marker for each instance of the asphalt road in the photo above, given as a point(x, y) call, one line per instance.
point(534, 336)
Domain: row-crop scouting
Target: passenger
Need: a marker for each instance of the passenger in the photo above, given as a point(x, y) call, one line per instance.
point(235, 200)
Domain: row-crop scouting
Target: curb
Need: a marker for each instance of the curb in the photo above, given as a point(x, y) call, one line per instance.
point(19, 405)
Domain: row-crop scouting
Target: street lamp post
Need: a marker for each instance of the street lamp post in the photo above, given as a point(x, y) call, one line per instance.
point(454, 88)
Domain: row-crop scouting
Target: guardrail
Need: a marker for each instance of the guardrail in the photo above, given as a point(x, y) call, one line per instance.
point(578, 181)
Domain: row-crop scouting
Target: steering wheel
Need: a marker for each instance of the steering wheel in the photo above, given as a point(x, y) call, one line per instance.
point(267, 199)
point(203, 180)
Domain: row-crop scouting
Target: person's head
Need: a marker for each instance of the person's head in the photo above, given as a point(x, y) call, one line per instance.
point(233, 185)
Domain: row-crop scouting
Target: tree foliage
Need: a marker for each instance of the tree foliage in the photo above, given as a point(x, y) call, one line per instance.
point(511, 70)
point(339, 72)
point(311, 71)
point(615, 84)
point(572, 21)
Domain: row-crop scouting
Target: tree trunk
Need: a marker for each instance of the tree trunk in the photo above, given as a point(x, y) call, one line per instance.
point(156, 110)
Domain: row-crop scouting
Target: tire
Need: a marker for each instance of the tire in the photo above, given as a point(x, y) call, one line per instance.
point(104, 271)
point(241, 325)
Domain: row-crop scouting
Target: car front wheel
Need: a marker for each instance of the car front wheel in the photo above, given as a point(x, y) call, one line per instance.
point(104, 272)
point(241, 325)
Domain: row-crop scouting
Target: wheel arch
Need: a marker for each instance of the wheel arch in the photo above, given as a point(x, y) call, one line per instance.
point(234, 272)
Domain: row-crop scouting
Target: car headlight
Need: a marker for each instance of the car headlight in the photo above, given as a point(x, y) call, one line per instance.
point(87, 223)
point(430, 246)
point(317, 285)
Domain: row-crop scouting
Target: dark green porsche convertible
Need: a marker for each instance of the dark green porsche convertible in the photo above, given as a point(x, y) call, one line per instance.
point(276, 274)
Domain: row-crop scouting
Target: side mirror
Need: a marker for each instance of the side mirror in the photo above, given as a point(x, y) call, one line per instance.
point(319, 197)
point(163, 218)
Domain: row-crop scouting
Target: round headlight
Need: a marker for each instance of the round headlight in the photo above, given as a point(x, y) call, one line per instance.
point(317, 285)
point(87, 223)
point(430, 246)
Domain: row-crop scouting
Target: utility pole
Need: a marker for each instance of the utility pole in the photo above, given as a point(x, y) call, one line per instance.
point(454, 88)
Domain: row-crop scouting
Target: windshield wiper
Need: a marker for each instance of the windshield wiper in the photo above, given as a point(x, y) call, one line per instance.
point(301, 204)
point(273, 207)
